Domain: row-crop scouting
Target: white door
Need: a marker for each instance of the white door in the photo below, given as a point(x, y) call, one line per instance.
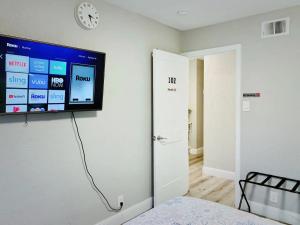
point(170, 125)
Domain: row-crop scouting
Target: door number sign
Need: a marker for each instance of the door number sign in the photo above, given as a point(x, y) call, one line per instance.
point(172, 82)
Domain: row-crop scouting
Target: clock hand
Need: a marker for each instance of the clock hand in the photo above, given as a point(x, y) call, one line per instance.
point(90, 16)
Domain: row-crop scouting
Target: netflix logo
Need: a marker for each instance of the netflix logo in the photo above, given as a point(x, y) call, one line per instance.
point(17, 63)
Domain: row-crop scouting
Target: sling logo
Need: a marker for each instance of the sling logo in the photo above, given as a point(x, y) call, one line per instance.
point(56, 96)
point(79, 78)
point(12, 45)
point(38, 81)
point(16, 80)
point(37, 96)
point(57, 83)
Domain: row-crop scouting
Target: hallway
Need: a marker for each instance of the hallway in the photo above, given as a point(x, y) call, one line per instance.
point(207, 187)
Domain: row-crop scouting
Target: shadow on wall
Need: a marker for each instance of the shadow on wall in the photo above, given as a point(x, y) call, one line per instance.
point(298, 210)
point(44, 117)
point(266, 193)
point(6, 119)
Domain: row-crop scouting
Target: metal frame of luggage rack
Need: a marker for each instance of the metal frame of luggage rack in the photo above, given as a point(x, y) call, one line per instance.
point(252, 178)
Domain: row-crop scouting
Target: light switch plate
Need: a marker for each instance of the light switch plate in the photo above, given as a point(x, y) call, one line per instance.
point(246, 106)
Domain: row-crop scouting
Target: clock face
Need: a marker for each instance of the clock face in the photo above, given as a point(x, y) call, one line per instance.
point(87, 16)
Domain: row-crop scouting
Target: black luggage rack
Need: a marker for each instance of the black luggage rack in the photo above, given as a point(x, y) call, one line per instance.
point(267, 177)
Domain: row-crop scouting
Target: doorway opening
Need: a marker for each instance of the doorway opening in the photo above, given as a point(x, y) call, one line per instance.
point(213, 124)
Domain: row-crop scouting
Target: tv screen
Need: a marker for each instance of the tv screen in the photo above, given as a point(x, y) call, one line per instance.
point(43, 77)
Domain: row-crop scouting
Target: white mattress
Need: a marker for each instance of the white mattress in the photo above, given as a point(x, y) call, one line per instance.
point(191, 211)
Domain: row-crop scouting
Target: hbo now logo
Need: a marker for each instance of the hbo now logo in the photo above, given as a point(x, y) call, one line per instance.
point(57, 82)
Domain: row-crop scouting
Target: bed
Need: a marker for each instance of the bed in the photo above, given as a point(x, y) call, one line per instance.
point(191, 211)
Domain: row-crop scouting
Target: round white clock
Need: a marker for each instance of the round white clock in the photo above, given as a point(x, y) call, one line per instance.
point(87, 15)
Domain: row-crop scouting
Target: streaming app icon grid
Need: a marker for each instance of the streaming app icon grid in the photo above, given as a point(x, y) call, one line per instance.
point(27, 84)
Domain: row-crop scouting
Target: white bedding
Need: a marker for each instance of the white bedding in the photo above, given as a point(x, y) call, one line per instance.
point(191, 211)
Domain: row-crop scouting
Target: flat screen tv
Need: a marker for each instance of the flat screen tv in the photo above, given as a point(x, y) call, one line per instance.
point(42, 77)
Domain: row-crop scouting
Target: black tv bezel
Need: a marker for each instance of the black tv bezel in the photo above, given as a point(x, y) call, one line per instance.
point(69, 110)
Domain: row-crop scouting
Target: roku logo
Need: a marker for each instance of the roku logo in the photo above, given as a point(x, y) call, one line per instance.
point(34, 96)
point(17, 63)
point(11, 45)
point(83, 78)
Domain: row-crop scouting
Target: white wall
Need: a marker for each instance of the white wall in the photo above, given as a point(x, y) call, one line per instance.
point(270, 137)
point(196, 77)
point(42, 180)
point(219, 111)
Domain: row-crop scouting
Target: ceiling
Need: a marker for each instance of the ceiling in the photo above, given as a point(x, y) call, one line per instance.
point(199, 13)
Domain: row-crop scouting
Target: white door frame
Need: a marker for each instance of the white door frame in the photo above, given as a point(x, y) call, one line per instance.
point(238, 49)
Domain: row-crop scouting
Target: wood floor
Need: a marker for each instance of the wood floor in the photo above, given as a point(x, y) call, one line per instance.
point(207, 187)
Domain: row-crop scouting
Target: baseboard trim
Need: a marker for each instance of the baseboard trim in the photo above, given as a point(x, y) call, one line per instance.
point(128, 214)
point(274, 213)
point(196, 151)
point(208, 171)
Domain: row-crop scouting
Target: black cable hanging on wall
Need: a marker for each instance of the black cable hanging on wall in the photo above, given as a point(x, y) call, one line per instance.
point(91, 178)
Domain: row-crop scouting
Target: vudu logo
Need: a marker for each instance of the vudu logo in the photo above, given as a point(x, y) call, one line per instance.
point(38, 81)
point(57, 82)
point(88, 79)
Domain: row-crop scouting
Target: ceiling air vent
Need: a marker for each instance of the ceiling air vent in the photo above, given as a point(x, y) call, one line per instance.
point(276, 28)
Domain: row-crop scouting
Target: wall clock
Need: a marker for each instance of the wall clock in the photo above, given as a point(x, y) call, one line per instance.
point(87, 16)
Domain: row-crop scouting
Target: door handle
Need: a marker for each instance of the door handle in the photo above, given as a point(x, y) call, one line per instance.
point(159, 138)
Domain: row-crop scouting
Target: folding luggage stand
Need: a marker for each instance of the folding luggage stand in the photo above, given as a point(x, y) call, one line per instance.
point(252, 178)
